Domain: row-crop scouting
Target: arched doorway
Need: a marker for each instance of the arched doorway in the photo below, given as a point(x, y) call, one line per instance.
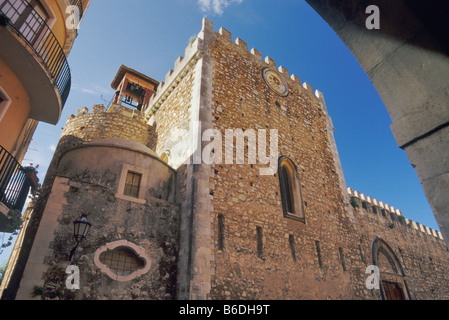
point(393, 285)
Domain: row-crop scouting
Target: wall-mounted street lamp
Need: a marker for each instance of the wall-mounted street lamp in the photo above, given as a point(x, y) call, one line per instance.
point(80, 230)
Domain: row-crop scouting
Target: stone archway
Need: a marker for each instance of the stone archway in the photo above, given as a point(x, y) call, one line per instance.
point(407, 60)
point(393, 285)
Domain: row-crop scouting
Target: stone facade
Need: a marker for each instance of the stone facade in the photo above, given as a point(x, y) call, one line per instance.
point(149, 225)
point(221, 231)
point(249, 200)
point(407, 62)
point(117, 122)
point(421, 251)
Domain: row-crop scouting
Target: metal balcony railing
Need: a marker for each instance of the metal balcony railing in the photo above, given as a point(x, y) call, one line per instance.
point(12, 180)
point(32, 28)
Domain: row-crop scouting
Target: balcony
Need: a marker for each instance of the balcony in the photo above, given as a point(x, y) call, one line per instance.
point(15, 184)
point(34, 54)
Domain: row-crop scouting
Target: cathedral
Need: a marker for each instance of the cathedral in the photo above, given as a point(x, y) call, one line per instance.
point(222, 182)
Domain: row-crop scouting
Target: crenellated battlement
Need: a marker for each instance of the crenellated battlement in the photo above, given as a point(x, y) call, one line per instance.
point(372, 205)
point(101, 123)
point(267, 61)
point(197, 48)
point(113, 109)
point(182, 67)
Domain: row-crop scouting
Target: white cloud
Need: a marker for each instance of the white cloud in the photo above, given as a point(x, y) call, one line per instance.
point(89, 91)
point(216, 6)
point(93, 89)
point(52, 148)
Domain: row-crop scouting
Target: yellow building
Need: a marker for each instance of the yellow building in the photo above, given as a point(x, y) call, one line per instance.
point(35, 38)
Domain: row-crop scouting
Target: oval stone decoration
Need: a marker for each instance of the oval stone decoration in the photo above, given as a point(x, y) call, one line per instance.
point(275, 82)
point(122, 260)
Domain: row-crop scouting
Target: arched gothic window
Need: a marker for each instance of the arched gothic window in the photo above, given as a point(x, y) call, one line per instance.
point(290, 189)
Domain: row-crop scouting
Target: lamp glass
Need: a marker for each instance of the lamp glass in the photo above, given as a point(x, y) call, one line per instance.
point(81, 228)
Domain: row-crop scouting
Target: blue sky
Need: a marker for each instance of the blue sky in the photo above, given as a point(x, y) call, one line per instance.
point(149, 36)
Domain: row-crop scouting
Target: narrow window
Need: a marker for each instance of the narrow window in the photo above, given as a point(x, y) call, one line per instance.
point(364, 205)
point(291, 240)
point(402, 256)
point(362, 256)
point(374, 209)
point(318, 252)
point(221, 230)
point(290, 189)
point(342, 258)
point(259, 242)
point(132, 184)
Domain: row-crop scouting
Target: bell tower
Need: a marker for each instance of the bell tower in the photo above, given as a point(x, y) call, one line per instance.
point(133, 89)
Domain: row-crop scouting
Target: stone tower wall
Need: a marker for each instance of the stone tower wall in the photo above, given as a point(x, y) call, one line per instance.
point(234, 241)
point(218, 84)
point(333, 247)
point(89, 181)
point(248, 200)
point(118, 122)
point(81, 128)
point(179, 113)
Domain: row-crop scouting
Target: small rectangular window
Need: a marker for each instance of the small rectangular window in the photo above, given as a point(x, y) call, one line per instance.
point(362, 256)
point(132, 184)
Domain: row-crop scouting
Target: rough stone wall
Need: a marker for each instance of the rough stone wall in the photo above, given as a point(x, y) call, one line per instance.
point(118, 122)
point(171, 121)
point(220, 84)
point(152, 226)
point(79, 129)
point(421, 251)
point(172, 115)
point(179, 113)
point(88, 181)
point(247, 200)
